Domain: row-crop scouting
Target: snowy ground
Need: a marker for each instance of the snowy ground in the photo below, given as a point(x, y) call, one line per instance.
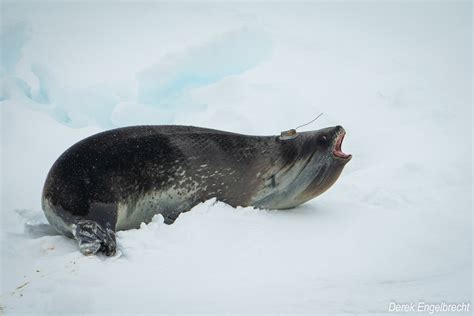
point(397, 226)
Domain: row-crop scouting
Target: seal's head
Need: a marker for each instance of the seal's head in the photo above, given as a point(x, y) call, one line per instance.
point(310, 163)
point(324, 164)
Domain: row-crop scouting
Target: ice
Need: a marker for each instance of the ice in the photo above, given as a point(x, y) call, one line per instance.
point(13, 38)
point(162, 89)
point(397, 226)
point(230, 54)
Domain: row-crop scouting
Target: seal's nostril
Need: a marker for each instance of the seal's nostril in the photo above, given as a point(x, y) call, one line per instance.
point(339, 130)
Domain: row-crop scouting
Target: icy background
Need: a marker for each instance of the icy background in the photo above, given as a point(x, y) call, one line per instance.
point(397, 226)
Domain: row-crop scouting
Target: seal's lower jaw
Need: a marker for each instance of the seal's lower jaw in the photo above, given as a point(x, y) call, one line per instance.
point(337, 151)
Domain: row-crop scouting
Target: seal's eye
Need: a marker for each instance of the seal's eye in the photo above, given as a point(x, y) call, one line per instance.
point(323, 140)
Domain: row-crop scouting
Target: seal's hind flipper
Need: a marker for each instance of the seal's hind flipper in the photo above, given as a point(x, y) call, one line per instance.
point(93, 238)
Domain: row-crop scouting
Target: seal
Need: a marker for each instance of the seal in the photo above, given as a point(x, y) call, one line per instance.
point(117, 179)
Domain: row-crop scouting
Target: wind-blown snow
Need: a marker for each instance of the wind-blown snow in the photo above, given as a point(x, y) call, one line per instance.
point(397, 226)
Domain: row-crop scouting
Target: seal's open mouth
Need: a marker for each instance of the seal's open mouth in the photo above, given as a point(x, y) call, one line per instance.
point(337, 147)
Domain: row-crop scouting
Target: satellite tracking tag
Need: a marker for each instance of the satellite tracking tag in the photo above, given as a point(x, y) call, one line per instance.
point(290, 134)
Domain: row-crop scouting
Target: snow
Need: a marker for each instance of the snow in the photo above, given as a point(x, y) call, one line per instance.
point(397, 226)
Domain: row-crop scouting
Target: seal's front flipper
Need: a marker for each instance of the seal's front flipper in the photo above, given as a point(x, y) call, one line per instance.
point(170, 218)
point(93, 238)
